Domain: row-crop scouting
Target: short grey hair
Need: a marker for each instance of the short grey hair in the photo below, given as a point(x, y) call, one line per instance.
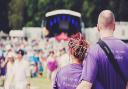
point(106, 17)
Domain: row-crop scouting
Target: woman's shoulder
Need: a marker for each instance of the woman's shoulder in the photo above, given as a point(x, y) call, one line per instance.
point(64, 69)
point(69, 69)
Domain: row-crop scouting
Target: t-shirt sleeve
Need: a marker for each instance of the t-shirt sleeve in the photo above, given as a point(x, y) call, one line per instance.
point(90, 65)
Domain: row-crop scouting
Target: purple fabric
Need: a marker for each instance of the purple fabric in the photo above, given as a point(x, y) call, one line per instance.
point(69, 77)
point(52, 65)
point(97, 67)
point(2, 69)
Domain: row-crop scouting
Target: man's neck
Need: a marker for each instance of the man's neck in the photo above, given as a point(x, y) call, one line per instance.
point(106, 33)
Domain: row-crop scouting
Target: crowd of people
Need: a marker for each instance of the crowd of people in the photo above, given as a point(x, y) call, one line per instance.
point(39, 58)
point(73, 64)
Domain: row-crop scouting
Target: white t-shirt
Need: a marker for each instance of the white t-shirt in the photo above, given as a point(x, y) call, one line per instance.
point(9, 70)
point(21, 71)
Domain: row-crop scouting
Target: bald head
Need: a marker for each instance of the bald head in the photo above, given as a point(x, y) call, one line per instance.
point(106, 19)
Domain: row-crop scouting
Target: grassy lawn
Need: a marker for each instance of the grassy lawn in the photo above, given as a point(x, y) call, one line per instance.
point(40, 83)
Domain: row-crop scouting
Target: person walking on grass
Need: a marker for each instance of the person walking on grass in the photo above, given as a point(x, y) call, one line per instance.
point(21, 72)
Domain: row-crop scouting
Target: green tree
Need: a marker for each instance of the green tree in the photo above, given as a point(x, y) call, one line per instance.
point(16, 11)
point(4, 25)
point(32, 12)
point(123, 10)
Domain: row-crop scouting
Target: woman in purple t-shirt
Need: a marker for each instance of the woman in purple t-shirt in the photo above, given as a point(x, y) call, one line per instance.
point(70, 76)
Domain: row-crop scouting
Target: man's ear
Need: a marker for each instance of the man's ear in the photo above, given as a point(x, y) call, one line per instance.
point(114, 26)
point(98, 27)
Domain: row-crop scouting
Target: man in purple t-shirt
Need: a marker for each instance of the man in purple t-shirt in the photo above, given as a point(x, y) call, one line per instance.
point(97, 65)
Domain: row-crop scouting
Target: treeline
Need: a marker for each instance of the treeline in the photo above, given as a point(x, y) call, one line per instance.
point(14, 14)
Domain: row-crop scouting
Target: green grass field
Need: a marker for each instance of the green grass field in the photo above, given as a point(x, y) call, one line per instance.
point(40, 83)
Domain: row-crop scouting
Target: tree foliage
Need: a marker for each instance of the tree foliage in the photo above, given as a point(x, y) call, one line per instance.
point(4, 25)
point(16, 11)
point(32, 12)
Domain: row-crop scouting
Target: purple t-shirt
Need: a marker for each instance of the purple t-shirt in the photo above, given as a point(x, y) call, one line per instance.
point(97, 66)
point(69, 77)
